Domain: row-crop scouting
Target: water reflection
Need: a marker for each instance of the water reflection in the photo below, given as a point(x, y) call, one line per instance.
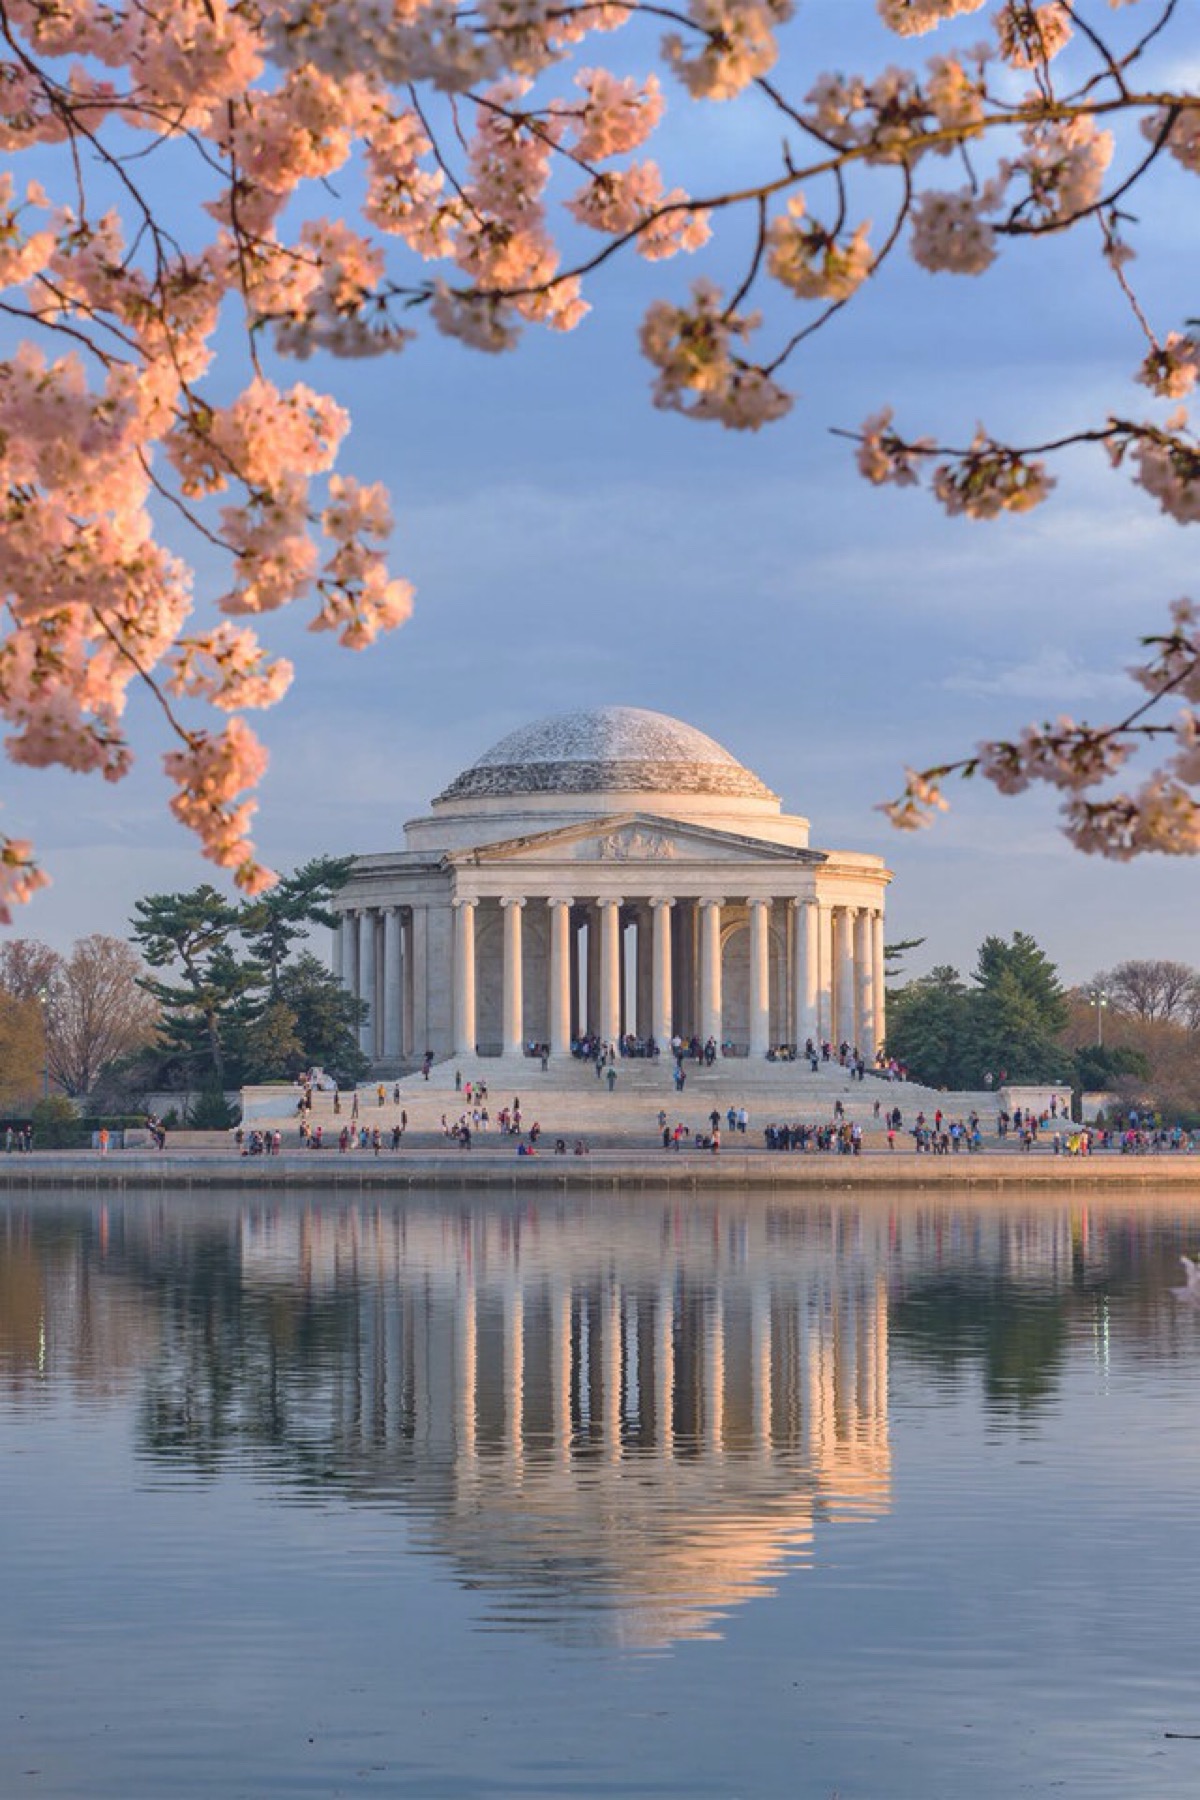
point(620, 1420)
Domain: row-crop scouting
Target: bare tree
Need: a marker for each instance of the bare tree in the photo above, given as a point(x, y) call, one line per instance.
point(1153, 989)
point(97, 1012)
point(29, 970)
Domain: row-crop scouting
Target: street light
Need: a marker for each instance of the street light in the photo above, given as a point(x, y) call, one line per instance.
point(1099, 1000)
point(43, 995)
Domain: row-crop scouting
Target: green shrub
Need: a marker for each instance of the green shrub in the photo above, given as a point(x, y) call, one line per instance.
point(57, 1126)
point(210, 1111)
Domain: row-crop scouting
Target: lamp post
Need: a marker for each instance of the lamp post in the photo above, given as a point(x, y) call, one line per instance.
point(1099, 1000)
point(43, 995)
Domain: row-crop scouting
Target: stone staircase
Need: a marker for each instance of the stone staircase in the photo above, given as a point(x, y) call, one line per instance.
point(568, 1101)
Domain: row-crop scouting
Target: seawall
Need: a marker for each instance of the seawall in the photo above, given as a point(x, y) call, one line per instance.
point(668, 1171)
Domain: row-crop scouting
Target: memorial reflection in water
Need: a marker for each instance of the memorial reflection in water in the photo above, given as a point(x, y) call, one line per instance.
point(638, 1429)
point(621, 1421)
point(332, 1485)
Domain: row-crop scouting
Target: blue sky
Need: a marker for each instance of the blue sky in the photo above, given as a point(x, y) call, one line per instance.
point(573, 547)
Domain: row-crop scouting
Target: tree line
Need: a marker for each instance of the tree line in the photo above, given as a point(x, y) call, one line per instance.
point(207, 995)
point(1132, 1030)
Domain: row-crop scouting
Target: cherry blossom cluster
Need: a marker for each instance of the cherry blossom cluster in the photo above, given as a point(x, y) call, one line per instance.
point(981, 482)
point(1161, 814)
point(700, 372)
point(489, 167)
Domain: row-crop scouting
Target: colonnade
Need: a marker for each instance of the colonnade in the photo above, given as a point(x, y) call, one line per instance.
point(753, 972)
point(380, 953)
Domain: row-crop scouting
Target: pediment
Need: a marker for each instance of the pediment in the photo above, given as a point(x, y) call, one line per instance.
point(638, 839)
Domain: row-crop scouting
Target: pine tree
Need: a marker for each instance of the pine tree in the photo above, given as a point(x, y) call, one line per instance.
point(200, 1015)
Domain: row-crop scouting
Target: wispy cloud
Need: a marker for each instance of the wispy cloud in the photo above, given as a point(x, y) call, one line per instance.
point(1054, 678)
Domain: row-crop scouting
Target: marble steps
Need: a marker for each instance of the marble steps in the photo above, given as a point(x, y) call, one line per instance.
point(568, 1101)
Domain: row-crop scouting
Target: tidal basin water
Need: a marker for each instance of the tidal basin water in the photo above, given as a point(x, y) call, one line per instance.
point(447, 1496)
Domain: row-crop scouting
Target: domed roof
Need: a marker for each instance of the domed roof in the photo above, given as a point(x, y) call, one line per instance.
point(612, 749)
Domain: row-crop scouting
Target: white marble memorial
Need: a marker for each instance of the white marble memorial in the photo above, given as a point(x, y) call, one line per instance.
point(610, 872)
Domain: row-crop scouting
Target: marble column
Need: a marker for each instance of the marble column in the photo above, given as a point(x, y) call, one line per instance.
point(622, 976)
point(711, 1013)
point(844, 932)
point(805, 963)
point(465, 1030)
point(683, 1007)
point(593, 970)
point(760, 977)
point(864, 981)
point(406, 969)
point(660, 1014)
point(610, 970)
point(578, 1022)
point(420, 980)
point(878, 972)
point(825, 1028)
point(645, 973)
point(560, 977)
point(366, 979)
point(349, 971)
point(340, 932)
point(391, 982)
point(514, 980)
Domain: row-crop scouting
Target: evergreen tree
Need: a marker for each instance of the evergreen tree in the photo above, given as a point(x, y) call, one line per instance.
point(327, 1017)
point(201, 1015)
point(270, 1047)
point(1007, 1025)
point(931, 1030)
point(274, 923)
point(894, 953)
point(242, 1006)
point(1100, 1067)
point(1019, 1013)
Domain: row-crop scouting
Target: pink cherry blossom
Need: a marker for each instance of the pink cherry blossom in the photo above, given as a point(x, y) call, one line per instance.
point(328, 180)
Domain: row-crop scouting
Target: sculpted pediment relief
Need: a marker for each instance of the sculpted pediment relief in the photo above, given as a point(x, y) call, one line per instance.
point(633, 844)
point(632, 841)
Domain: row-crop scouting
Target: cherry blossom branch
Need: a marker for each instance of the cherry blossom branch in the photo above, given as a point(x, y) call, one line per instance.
point(120, 398)
point(1162, 815)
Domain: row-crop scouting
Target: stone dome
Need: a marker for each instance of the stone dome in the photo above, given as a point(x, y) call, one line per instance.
point(614, 749)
